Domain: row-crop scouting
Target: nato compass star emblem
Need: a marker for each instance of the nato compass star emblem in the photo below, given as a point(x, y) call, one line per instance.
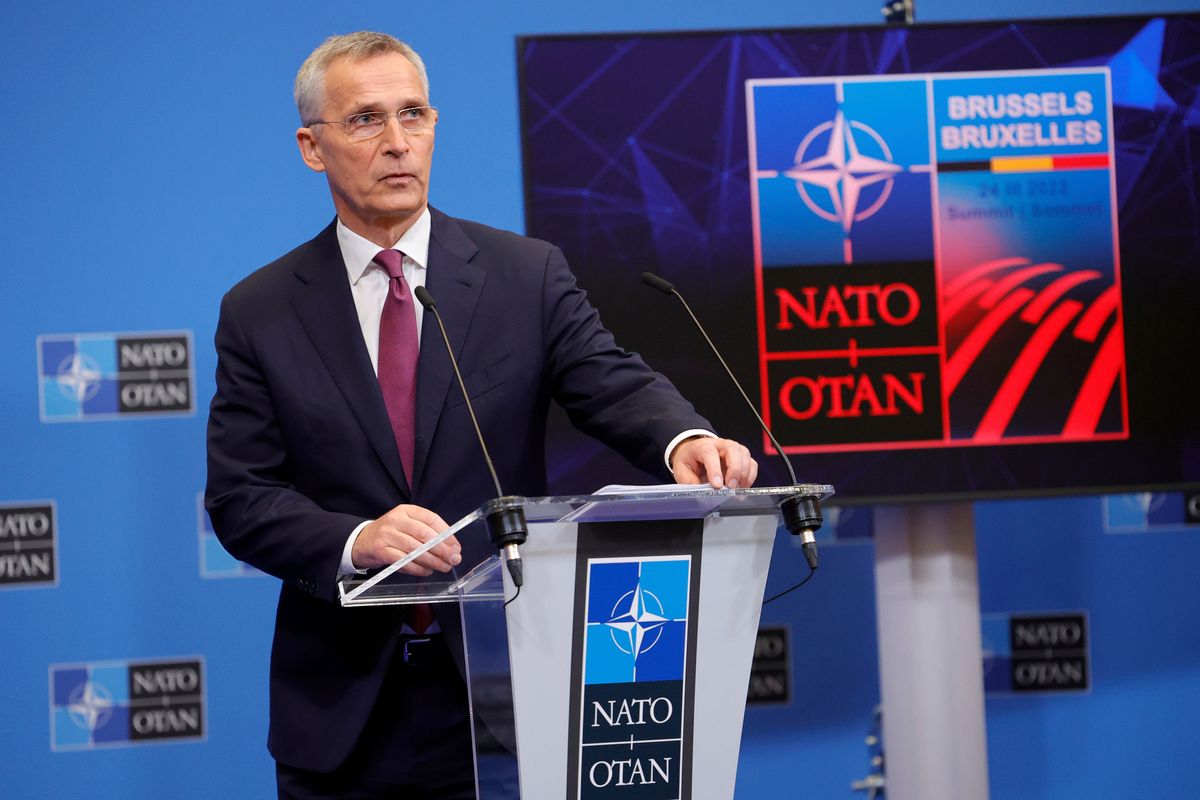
point(843, 170)
point(79, 377)
point(636, 621)
point(90, 706)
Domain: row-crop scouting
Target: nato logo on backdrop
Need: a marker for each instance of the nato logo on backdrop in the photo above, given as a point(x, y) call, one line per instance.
point(123, 703)
point(771, 670)
point(1146, 512)
point(28, 552)
point(1026, 653)
point(98, 376)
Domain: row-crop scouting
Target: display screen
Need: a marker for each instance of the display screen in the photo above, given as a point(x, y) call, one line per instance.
point(945, 261)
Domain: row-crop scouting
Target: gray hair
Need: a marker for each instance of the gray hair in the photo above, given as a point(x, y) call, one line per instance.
point(310, 80)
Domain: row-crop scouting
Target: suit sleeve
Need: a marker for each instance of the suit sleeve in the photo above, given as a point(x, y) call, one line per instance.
point(256, 512)
point(608, 393)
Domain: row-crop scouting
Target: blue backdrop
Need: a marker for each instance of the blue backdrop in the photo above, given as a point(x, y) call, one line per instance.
point(151, 165)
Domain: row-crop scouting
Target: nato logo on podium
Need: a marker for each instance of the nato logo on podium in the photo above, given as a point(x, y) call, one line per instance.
point(633, 694)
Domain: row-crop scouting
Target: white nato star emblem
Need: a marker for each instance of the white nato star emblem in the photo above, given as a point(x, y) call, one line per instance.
point(1145, 502)
point(90, 706)
point(843, 171)
point(79, 377)
point(633, 626)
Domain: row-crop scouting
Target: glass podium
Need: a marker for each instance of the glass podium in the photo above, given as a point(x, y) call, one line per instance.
point(688, 565)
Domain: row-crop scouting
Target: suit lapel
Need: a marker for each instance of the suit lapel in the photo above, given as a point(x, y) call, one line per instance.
point(322, 301)
point(455, 285)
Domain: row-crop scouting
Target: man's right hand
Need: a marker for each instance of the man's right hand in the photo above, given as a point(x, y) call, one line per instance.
point(399, 532)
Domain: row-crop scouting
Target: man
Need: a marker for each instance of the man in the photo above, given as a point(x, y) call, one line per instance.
point(338, 443)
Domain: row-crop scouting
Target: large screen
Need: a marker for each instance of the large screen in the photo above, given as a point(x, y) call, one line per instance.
point(945, 260)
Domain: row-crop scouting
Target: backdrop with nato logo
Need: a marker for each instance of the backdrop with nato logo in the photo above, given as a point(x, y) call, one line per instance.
point(151, 164)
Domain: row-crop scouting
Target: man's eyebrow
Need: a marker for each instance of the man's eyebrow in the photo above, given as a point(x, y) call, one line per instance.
point(411, 102)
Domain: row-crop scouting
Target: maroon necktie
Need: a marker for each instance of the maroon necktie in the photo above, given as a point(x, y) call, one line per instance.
point(398, 358)
point(398, 351)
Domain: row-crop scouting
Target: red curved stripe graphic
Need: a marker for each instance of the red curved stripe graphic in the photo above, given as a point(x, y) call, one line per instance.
point(955, 304)
point(1034, 312)
point(1015, 279)
point(980, 270)
point(1023, 370)
point(1097, 386)
point(1093, 319)
point(958, 364)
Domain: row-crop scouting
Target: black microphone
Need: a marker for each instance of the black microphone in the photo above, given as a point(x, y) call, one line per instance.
point(801, 513)
point(505, 514)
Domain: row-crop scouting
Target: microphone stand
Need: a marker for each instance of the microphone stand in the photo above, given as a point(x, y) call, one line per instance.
point(504, 514)
point(801, 513)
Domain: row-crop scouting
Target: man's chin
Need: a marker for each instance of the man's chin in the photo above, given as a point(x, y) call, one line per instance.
point(399, 206)
point(402, 200)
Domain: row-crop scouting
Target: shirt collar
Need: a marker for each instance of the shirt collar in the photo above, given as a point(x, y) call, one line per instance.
point(359, 252)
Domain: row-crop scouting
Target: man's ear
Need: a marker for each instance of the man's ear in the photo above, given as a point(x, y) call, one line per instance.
point(309, 151)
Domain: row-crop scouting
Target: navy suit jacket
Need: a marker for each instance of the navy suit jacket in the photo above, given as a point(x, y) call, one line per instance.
point(300, 450)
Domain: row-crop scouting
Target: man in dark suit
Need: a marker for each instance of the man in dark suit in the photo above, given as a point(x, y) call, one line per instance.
point(337, 442)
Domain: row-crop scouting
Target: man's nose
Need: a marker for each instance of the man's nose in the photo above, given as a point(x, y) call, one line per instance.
point(394, 137)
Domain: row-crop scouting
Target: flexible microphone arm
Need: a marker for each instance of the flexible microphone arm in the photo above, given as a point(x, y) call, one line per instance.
point(505, 514)
point(801, 514)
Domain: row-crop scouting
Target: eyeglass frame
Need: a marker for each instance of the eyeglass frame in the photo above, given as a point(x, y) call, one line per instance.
point(388, 115)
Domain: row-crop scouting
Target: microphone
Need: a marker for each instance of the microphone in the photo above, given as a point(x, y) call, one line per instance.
point(801, 514)
point(505, 514)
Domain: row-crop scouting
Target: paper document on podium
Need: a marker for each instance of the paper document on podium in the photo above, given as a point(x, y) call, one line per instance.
point(660, 488)
point(661, 501)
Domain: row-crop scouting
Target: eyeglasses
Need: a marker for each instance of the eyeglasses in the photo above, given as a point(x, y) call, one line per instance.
point(369, 124)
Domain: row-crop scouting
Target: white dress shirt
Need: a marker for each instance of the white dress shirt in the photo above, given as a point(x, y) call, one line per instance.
point(369, 281)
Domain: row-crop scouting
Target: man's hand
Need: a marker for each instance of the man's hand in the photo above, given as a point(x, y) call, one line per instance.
point(400, 531)
point(720, 462)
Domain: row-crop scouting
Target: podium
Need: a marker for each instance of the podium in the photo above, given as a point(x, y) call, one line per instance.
point(621, 667)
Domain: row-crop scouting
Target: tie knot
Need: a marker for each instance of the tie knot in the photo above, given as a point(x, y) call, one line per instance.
point(392, 261)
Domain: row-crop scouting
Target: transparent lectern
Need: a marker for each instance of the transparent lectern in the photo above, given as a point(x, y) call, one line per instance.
point(621, 668)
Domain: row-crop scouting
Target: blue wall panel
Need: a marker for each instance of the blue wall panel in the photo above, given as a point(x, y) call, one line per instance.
point(150, 164)
point(1130, 734)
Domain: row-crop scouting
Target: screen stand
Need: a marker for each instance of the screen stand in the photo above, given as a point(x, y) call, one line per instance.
point(930, 652)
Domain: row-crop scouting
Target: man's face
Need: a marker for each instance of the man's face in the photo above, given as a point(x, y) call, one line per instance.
point(380, 184)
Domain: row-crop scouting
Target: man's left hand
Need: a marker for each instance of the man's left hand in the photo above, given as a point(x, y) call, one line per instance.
point(719, 462)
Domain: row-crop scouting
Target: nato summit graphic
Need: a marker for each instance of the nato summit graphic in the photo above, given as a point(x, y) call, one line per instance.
point(937, 259)
point(122, 703)
point(631, 736)
point(97, 376)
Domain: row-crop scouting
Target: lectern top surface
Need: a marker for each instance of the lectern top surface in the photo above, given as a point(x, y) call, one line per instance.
point(701, 498)
point(610, 504)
